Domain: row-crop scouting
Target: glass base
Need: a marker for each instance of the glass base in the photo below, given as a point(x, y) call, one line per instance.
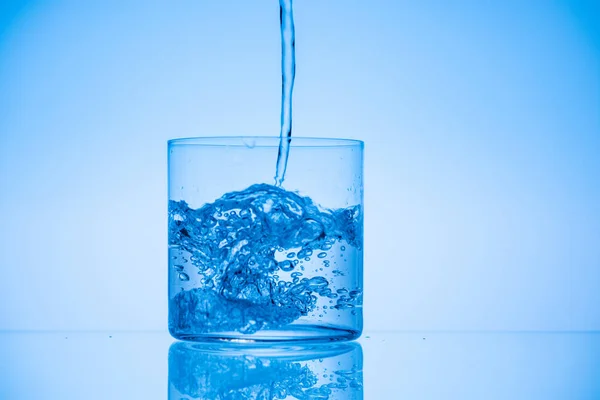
point(293, 333)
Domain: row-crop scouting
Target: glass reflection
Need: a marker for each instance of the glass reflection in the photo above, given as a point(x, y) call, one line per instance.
point(298, 371)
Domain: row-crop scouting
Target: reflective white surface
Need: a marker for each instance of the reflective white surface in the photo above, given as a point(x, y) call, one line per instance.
point(408, 365)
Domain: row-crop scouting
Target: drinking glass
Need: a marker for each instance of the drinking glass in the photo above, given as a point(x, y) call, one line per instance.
point(251, 261)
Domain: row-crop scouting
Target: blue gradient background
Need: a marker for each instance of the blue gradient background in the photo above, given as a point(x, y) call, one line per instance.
point(482, 128)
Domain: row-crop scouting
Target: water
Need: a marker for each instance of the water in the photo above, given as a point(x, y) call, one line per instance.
point(323, 372)
point(264, 258)
point(288, 75)
point(261, 259)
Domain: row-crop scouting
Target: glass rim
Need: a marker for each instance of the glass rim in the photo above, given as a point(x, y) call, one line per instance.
point(263, 141)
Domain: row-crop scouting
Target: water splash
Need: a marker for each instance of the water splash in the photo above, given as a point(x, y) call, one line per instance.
point(242, 247)
point(288, 75)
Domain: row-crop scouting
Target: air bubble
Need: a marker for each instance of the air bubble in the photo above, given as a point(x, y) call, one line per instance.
point(183, 276)
point(286, 266)
point(322, 255)
point(305, 253)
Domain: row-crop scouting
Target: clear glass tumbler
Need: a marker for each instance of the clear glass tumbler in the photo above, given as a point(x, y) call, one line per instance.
point(250, 261)
point(322, 371)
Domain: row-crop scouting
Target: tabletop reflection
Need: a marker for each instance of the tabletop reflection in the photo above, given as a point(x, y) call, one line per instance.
point(230, 371)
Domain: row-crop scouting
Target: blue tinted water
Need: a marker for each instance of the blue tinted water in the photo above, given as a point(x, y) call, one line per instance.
point(288, 75)
point(259, 259)
point(326, 372)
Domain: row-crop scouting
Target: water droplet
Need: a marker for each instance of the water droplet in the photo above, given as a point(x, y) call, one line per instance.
point(291, 255)
point(183, 276)
point(307, 259)
point(322, 255)
point(343, 248)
